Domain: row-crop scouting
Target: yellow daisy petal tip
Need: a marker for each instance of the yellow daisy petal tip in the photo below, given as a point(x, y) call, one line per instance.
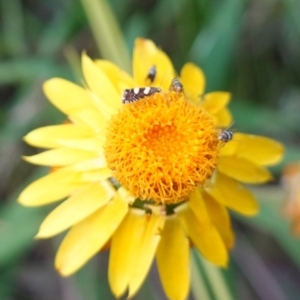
point(27, 139)
point(47, 85)
point(222, 261)
point(85, 61)
point(64, 269)
point(251, 211)
point(41, 235)
point(193, 80)
point(84, 57)
point(21, 200)
point(146, 45)
point(224, 265)
point(38, 236)
point(30, 159)
point(146, 55)
point(26, 158)
point(64, 273)
point(24, 199)
point(279, 149)
point(261, 150)
point(142, 42)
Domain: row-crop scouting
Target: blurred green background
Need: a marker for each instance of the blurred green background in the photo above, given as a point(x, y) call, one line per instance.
point(248, 47)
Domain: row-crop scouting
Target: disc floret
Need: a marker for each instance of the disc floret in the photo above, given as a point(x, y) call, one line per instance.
point(162, 147)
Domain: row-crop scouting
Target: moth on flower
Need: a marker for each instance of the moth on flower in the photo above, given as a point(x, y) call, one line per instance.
point(137, 93)
point(114, 161)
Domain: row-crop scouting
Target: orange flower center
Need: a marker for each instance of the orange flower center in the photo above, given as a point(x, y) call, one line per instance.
point(162, 147)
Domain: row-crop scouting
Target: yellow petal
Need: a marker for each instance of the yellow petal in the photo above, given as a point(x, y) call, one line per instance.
point(105, 109)
point(94, 143)
point(120, 79)
point(49, 136)
point(86, 238)
point(232, 194)
point(90, 164)
point(258, 149)
point(173, 260)
point(60, 157)
point(221, 219)
point(243, 170)
point(230, 148)
point(97, 175)
point(76, 208)
point(50, 188)
point(215, 101)
point(67, 96)
point(204, 235)
point(91, 118)
point(197, 205)
point(193, 80)
point(223, 118)
point(146, 252)
point(99, 83)
point(124, 245)
point(146, 55)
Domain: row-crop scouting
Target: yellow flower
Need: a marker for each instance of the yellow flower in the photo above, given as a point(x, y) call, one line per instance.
point(149, 178)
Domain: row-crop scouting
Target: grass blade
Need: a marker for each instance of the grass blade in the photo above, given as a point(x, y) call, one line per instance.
point(107, 32)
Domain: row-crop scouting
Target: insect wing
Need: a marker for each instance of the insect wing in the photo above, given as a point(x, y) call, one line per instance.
point(135, 94)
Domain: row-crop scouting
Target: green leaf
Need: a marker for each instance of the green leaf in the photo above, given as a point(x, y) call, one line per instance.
point(13, 27)
point(28, 69)
point(213, 47)
point(18, 227)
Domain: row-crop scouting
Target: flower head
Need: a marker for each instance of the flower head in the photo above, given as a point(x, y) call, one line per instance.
point(150, 177)
point(162, 147)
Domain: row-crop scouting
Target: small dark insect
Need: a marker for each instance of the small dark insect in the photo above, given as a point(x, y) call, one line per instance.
point(225, 136)
point(176, 85)
point(135, 94)
point(151, 74)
